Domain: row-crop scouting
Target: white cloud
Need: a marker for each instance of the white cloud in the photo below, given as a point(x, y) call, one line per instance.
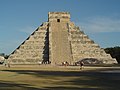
point(27, 29)
point(100, 24)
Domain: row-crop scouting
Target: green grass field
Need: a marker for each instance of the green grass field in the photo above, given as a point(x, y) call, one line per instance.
point(59, 78)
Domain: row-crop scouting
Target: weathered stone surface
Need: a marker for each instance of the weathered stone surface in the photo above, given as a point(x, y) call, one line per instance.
point(56, 41)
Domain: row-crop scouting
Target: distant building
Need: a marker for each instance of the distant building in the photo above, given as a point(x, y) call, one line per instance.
point(59, 40)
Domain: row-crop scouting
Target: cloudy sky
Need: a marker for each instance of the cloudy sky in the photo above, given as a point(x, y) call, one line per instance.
point(99, 19)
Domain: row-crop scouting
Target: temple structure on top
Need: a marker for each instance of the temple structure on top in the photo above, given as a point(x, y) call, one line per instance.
point(59, 40)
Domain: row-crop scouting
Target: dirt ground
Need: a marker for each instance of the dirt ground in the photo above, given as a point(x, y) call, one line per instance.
point(59, 77)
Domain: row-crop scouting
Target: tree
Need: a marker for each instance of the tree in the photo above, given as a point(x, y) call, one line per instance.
point(114, 52)
point(6, 56)
point(2, 54)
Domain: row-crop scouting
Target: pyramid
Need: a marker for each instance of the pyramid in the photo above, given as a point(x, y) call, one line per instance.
point(59, 40)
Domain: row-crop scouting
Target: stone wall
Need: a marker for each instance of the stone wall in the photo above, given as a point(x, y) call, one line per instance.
point(83, 47)
point(33, 49)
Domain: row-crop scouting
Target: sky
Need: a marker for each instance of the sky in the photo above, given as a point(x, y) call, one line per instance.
point(99, 19)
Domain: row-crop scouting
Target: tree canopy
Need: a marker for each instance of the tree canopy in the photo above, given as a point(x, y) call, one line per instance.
point(114, 52)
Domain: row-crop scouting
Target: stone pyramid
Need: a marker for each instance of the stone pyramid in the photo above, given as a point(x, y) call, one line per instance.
point(56, 41)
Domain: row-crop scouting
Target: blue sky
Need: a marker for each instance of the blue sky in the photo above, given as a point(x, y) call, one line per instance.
point(99, 19)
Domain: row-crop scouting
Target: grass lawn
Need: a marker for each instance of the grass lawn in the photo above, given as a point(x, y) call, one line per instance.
point(59, 78)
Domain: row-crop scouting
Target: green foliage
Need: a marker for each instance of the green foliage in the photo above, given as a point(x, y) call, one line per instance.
point(2, 54)
point(6, 56)
point(114, 52)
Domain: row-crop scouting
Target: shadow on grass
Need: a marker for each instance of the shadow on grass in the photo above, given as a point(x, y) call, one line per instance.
point(6, 85)
point(85, 80)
